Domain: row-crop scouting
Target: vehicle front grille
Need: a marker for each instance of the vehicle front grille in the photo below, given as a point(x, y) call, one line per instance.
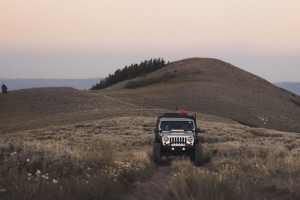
point(178, 141)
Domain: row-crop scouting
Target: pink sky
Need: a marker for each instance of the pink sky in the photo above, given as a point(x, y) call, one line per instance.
point(134, 30)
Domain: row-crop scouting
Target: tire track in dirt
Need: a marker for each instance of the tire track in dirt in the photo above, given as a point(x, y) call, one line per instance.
point(141, 189)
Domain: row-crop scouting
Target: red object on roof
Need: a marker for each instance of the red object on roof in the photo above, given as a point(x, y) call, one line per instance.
point(182, 112)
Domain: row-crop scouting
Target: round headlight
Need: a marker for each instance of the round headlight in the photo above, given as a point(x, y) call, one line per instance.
point(166, 139)
point(190, 139)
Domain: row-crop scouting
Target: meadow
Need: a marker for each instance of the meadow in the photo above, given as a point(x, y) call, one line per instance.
point(110, 158)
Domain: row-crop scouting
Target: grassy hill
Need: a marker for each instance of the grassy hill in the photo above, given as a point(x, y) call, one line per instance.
point(34, 108)
point(202, 85)
point(217, 88)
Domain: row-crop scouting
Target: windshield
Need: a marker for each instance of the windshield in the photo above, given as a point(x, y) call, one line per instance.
point(177, 125)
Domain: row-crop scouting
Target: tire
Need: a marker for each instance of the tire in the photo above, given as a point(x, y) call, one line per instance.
point(198, 157)
point(156, 153)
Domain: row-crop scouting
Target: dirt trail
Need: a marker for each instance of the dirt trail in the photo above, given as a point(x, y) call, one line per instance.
point(103, 101)
point(141, 189)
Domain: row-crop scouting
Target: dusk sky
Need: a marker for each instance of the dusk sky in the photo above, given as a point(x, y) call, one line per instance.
point(92, 38)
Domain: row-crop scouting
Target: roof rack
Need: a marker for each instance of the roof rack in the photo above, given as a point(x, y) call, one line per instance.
point(174, 115)
point(180, 114)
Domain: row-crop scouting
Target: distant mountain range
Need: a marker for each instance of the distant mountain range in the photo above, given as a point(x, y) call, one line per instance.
point(80, 84)
point(290, 86)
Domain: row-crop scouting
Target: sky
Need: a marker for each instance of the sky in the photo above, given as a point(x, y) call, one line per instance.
point(92, 38)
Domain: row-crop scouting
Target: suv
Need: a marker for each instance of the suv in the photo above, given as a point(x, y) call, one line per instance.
point(176, 134)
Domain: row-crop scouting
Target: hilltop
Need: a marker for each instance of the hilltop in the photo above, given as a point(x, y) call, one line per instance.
point(214, 87)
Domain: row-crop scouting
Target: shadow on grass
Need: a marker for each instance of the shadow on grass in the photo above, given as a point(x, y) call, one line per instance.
point(166, 161)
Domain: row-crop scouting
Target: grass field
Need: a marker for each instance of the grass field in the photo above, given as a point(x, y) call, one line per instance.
point(110, 158)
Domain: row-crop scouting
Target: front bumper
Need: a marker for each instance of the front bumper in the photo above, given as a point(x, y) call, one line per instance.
point(177, 150)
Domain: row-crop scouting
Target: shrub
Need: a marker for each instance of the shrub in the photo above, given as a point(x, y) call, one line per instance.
point(4, 89)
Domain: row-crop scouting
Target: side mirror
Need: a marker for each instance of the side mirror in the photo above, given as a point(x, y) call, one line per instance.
point(198, 130)
point(155, 130)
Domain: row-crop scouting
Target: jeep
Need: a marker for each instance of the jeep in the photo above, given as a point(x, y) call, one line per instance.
point(176, 134)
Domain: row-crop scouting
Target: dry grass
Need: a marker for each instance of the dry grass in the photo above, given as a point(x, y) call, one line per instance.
point(241, 162)
point(88, 168)
point(43, 107)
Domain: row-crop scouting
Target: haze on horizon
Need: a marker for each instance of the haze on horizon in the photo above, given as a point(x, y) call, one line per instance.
point(88, 39)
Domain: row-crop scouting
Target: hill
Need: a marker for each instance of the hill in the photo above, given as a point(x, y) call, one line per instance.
point(290, 86)
point(201, 85)
point(35, 108)
point(17, 84)
point(216, 88)
point(40, 107)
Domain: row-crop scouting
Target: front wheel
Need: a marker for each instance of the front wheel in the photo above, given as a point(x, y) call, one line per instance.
point(156, 152)
point(198, 157)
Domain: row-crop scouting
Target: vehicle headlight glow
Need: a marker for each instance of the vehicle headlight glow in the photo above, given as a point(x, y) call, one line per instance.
point(190, 139)
point(166, 139)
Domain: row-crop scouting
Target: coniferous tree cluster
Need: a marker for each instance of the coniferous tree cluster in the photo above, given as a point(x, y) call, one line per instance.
point(130, 72)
